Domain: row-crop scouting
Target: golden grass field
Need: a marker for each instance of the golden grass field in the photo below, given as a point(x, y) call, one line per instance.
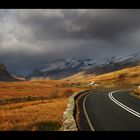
point(30, 115)
point(33, 105)
point(43, 88)
point(125, 77)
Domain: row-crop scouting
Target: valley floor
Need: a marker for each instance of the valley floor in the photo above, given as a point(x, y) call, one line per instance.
point(33, 105)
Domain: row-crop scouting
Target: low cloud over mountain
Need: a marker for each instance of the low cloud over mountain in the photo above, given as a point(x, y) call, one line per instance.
point(29, 37)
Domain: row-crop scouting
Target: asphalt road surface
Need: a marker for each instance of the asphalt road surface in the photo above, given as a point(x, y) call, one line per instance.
point(109, 111)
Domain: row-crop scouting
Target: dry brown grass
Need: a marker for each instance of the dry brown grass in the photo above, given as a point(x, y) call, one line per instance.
point(41, 114)
point(79, 77)
point(127, 76)
point(112, 79)
point(34, 88)
point(25, 116)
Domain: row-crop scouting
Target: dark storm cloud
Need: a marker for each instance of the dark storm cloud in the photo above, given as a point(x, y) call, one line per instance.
point(31, 36)
point(78, 24)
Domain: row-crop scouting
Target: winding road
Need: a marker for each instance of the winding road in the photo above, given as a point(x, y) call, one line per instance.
point(109, 111)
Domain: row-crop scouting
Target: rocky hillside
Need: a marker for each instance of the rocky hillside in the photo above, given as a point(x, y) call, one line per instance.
point(5, 76)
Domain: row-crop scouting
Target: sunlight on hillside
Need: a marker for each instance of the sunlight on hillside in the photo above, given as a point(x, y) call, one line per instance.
point(126, 77)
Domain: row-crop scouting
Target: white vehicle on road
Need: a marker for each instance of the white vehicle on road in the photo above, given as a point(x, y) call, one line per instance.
point(93, 83)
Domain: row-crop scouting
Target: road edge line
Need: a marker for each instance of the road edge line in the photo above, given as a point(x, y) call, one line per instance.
point(85, 112)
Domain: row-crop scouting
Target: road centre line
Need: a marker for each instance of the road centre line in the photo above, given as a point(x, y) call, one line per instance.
point(122, 105)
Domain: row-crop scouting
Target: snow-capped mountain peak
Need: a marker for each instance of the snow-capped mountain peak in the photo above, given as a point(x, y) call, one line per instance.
point(65, 67)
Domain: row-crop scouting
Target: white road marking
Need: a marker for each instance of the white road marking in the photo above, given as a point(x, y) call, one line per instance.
point(84, 108)
point(123, 106)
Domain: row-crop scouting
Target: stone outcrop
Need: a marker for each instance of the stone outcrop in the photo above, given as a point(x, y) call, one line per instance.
point(69, 123)
point(3, 70)
point(5, 76)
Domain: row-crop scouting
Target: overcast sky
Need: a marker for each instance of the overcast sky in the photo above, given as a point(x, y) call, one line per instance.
point(29, 37)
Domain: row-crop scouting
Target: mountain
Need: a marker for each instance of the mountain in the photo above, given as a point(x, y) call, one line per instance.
point(113, 63)
point(5, 76)
point(60, 69)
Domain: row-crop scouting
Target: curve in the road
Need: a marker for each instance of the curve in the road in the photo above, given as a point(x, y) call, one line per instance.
point(106, 110)
point(122, 105)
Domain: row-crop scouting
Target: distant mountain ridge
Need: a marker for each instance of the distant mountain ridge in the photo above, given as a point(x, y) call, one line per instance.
point(111, 64)
point(60, 69)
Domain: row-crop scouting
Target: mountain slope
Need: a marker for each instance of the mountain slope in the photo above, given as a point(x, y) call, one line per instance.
point(111, 64)
point(5, 76)
point(60, 69)
point(125, 77)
